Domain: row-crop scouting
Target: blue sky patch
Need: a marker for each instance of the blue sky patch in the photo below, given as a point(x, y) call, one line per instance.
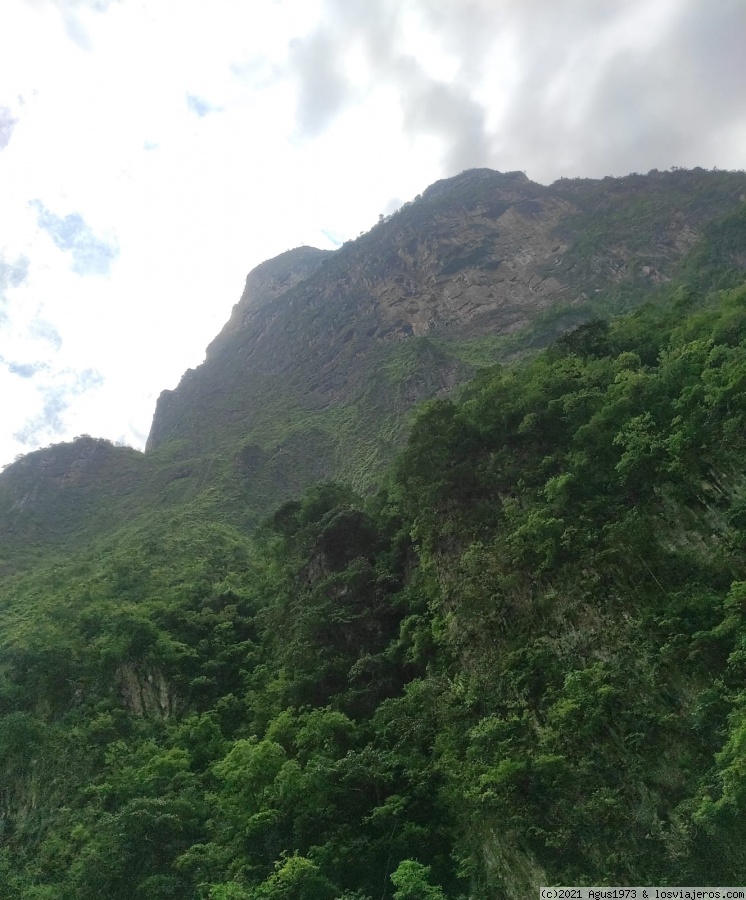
point(7, 123)
point(200, 106)
point(91, 255)
point(26, 370)
point(13, 273)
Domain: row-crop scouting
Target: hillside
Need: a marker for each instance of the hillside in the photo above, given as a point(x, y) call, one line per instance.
point(326, 354)
point(323, 360)
point(511, 653)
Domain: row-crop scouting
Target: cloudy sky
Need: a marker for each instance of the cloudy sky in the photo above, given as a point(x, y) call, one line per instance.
point(153, 151)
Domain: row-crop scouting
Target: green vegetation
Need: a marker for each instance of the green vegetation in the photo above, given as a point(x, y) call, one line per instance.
point(520, 661)
point(515, 656)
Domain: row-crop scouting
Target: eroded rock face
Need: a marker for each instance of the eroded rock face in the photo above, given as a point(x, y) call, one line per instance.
point(320, 340)
point(484, 251)
point(482, 254)
point(469, 265)
point(436, 263)
point(146, 693)
point(268, 282)
point(325, 355)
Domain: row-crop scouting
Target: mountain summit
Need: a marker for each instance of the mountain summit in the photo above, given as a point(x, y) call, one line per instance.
point(326, 354)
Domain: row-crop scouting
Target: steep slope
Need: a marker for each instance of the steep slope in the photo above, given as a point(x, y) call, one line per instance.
point(522, 663)
point(326, 354)
point(519, 663)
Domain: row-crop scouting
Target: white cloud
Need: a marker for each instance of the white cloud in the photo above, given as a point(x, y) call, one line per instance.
point(51, 422)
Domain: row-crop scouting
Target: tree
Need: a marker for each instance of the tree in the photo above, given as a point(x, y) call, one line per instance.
point(412, 882)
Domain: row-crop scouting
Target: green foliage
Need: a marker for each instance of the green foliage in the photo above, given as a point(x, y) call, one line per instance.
point(295, 878)
point(521, 661)
point(411, 882)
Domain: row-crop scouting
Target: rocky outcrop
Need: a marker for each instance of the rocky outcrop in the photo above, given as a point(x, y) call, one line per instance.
point(145, 693)
point(33, 478)
point(266, 284)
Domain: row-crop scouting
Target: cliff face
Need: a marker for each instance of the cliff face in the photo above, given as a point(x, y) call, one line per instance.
point(259, 306)
point(325, 354)
point(478, 258)
point(266, 285)
point(520, 664)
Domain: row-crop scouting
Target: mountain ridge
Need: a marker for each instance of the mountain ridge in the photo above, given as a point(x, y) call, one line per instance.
point(317, 370)
point(449, 282)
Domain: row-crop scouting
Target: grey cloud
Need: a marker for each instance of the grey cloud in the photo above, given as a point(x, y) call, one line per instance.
point(590, 89)
point(445, 110)
point(657, 98)
point(91, 255)
point(7, 123)
point(317, 62)
point(322, 91)
point(200, 106)
point(57, 399)
point(467, 29)
point(429, 106)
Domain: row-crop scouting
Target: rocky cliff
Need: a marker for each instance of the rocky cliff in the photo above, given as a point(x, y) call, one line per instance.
point(479, 267)
point(325, 355)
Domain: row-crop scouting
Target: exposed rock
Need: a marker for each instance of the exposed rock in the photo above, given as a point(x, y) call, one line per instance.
point(481, 254)
point(268, 282)
point(145, 693)
point(325, 354)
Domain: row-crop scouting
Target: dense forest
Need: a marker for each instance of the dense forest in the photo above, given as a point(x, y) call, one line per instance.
point(521, 661)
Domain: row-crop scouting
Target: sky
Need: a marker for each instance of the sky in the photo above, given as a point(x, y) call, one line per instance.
point(152, 152)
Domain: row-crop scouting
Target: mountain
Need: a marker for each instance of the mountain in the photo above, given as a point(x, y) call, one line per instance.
point(510, 652)
point(405, 312)
point(325, 356)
